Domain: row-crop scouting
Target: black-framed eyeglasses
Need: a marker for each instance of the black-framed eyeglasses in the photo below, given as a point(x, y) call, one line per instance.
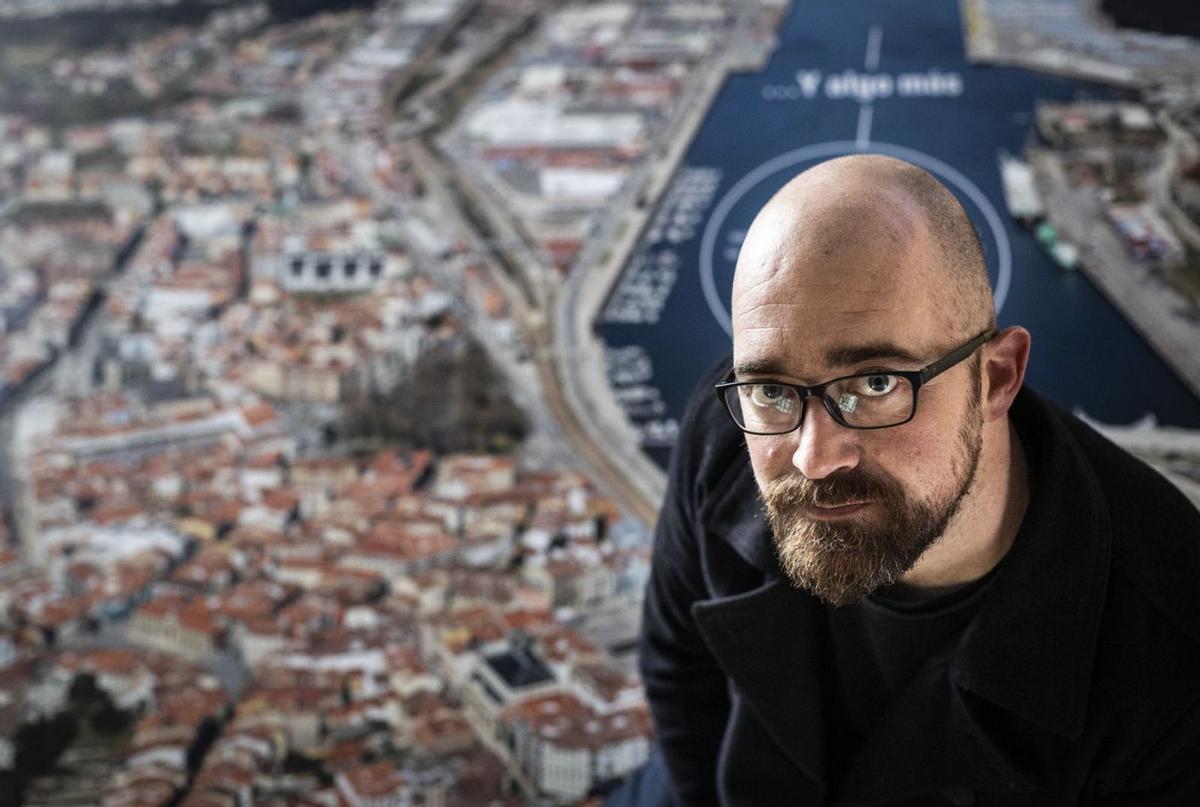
point(876, 399)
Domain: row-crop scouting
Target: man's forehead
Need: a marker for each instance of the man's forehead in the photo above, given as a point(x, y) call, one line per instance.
point(861, 282)
point(814, 352)
point(857, 272)
point(812, 294)
point(813, 358)
point(814, 327)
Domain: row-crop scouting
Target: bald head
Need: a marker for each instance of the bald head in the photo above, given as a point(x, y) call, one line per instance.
point(869, 222)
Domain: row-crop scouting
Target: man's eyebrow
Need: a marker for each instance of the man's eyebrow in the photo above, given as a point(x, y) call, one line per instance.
point(875, 351)
point(764, 367)
point(835, 357)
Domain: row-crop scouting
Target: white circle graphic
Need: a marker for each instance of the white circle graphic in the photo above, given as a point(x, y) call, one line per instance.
point(837, 148)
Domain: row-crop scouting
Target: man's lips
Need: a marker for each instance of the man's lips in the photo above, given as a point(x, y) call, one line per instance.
point(835, 510)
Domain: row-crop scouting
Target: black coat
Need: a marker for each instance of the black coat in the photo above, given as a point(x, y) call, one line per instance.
point(1076, 682)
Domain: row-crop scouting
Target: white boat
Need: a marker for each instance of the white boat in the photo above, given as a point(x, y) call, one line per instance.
point(1020, 191)
point(1065, 255)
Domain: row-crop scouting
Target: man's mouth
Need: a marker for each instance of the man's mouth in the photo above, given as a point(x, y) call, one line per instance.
point(840, 510)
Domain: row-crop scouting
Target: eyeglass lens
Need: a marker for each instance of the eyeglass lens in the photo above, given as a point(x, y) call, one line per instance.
point(866, 401)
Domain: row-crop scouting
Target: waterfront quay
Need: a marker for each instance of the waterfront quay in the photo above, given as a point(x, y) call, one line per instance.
point(1160, 312)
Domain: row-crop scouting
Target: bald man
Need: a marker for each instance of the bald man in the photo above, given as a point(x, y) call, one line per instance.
point(885, 571)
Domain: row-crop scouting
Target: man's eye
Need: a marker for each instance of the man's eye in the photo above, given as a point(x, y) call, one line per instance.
point(876, 385)
point(775, 396)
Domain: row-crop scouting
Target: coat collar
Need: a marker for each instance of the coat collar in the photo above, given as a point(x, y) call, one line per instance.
point(735, 513)
point(1029, 650)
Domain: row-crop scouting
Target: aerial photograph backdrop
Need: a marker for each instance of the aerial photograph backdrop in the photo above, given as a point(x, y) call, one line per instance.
point(344, 346)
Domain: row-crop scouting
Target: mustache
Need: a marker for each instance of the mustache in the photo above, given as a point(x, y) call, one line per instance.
point(846, 487)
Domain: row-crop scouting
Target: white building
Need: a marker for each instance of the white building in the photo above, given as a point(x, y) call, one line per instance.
point(516, 122)
point(316, 272)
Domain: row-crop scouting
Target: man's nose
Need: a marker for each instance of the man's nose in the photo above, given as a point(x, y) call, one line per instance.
point(824, 446)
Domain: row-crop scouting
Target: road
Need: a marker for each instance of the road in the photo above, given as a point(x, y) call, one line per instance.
point(69, 371)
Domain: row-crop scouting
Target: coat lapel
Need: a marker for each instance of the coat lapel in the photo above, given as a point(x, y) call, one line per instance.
point(762, 640)
point(931, 739)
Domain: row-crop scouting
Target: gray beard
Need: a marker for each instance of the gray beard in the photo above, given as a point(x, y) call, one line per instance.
point(842, 562)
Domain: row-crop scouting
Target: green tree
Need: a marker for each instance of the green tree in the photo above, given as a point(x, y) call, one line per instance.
point(451, 400)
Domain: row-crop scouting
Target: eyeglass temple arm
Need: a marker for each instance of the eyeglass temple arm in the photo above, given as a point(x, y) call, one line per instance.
point(946, 362)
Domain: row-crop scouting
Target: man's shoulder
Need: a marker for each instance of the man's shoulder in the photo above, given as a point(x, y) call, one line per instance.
point(1125, 477)
point(1143, 693)
point(1155, 532)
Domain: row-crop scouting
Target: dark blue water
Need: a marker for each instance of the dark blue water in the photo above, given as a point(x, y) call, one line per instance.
point(1085, 355)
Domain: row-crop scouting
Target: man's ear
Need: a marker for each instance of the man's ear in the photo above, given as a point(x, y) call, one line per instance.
point(1004, 360)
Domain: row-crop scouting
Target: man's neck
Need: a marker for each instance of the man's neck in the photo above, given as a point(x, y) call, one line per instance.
point(983, 529)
